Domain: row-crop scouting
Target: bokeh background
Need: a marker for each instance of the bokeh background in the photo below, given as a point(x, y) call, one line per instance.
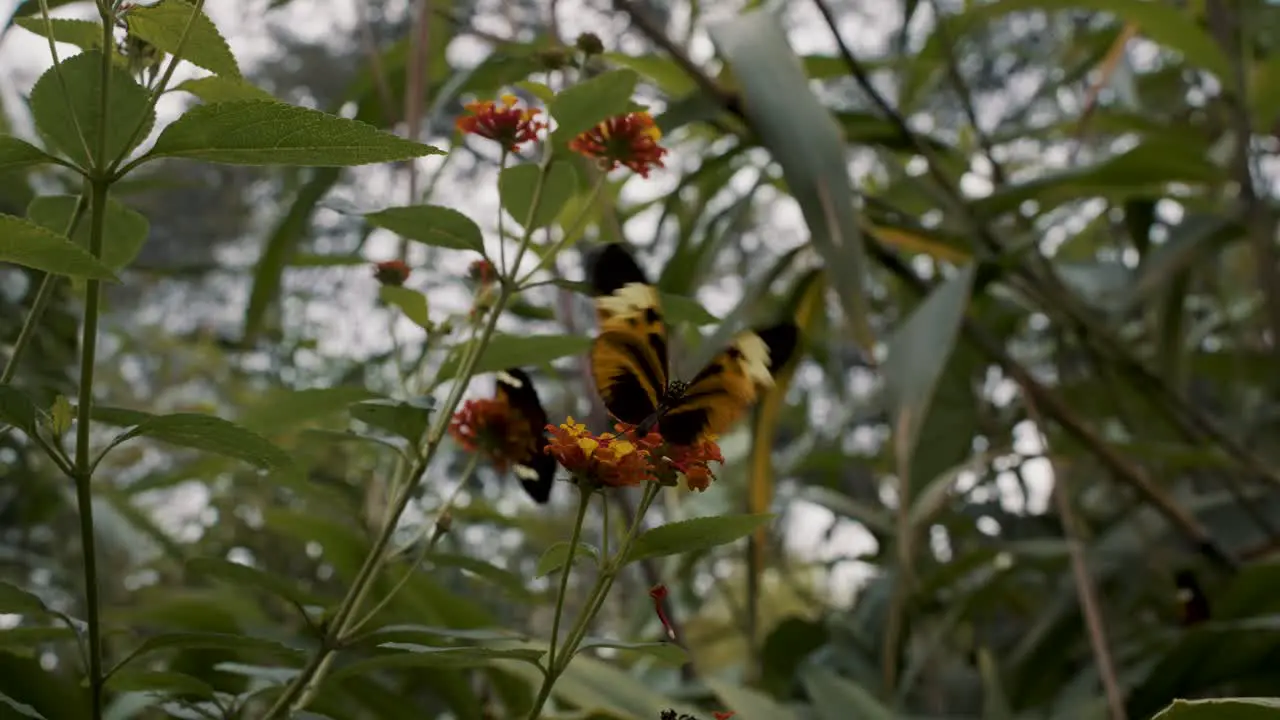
point(1106, 170)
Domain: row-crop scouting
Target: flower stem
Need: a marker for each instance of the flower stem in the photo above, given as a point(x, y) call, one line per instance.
point(573, 230)
point(584, 500)
point(557, 665)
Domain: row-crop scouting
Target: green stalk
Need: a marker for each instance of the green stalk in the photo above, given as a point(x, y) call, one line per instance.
point(595, 601)
point(83, 460)
point(43, 295)
point(584, 500)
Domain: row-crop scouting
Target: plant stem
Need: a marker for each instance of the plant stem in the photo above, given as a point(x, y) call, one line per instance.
point(584, 499)
point(613, 566)
point(83, 460)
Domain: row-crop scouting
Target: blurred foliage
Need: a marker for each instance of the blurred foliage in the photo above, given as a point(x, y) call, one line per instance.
point(1084, 189)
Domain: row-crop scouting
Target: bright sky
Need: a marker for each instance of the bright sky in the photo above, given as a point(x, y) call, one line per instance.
point(23, 56)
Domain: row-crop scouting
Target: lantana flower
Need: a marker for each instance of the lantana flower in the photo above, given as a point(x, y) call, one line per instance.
point(502, 122)
point(692, 462)
point(608, 459)
point(391, 272)
point(492, 427)
point(630, 140)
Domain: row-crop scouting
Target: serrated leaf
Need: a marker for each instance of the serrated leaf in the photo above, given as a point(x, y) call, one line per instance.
point(18, 410)
point(411, 656)
point(16, 154)
point(554, 557)
point(404, 418)
point(518, 184)
point(264, 132)
point(251, 577)
point(537, 89)
point(280, 409)
point(917, 355)
point(411, 302)
point(1260, 708)
point(835, 698)
point(581, 106)
point(218, 88)
point(433, 225)
point(164, 24)
point(695, 534)
point(124, 232)
point(84, 34)
point(211, 434)
point(61, 120)
point(159, 681)
point(23, 242)
point(504, 351)
point(15, 600)
point(667, 653)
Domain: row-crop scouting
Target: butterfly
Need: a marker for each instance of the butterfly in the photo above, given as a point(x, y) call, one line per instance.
point(533, 467)
point(630, 366)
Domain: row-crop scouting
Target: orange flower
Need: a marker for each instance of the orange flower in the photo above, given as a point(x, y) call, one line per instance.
point(630, 139)
point(491, 426)
point(391, 272)
point(607, 459)
point(504, 123)
point(691, 461)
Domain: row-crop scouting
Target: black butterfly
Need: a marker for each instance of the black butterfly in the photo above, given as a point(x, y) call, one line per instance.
point(533, 467)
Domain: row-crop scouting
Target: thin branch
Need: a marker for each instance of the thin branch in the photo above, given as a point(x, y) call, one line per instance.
point(380, 81)
point(646, 25)
point(1085, 591)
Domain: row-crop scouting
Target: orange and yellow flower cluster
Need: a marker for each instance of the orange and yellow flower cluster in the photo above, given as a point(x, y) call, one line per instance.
point(492, 427)
point(623, 458)
point(630, 139)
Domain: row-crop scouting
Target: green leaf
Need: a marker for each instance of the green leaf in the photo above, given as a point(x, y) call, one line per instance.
point(15, 600)
point(749, 704)
point(1260, 708)
point(687, 536)
point(163, 25)
point(679, 308)
point(510, 582)
point(16, 154)
point(211, 641)
point(418, 656)
point(411, 302)
point(211, 434)
point(250, 577)
point(25, 639)
point(667, 653)
point(22, 709)
point(554, 557)
point(428, 635)
point(61, 120)
point(581, 106)
point(124, 233)
point(404, 418)
point(283, 409)
point(518, 183)
point(23, 242)
point(917, 355)
point(159, 681)
point(84, 34)
point(504, 351)
point(536, 89)
point(218, 88)
point(434, 225)
point(18, 410)
point(835, 698)
point(264, 132)
point(805, 140)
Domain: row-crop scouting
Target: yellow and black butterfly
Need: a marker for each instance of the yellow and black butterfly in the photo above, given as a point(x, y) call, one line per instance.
point(533, 467)
point(631, 370)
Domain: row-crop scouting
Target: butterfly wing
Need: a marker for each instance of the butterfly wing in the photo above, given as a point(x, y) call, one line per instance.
point(534, 468)
point(719, 394)
point(629, 355)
